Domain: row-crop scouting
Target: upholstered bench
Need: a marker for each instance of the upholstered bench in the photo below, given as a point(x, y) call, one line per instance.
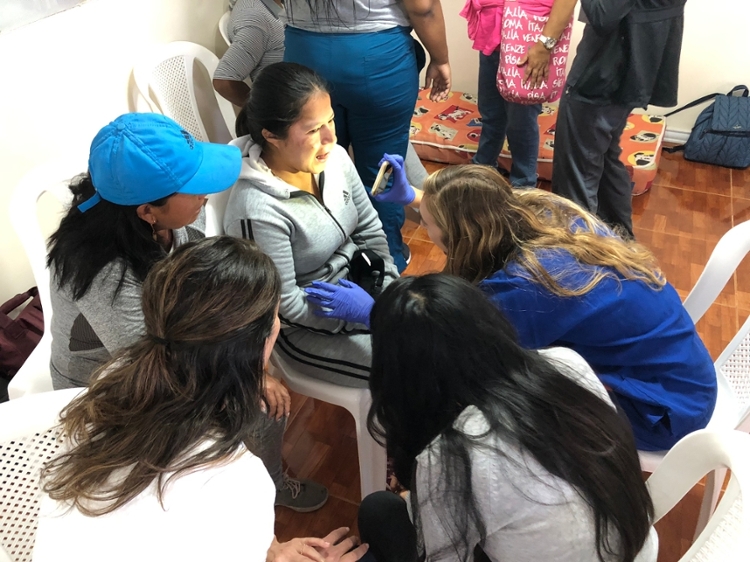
point(449, 131)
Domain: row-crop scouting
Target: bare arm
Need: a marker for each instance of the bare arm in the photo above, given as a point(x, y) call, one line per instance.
point(426, 16)
point(249, 45)
point(234, 91)
point(537, 57)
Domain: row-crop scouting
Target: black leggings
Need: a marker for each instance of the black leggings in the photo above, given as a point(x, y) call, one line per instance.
point(384, 524)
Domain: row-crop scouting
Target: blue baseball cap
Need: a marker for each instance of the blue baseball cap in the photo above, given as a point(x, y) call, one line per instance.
point(143, 157)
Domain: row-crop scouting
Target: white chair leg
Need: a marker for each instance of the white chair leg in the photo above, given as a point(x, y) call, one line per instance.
point(372, 457)
point(711, 493)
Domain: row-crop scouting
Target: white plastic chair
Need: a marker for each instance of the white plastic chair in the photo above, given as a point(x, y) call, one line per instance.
point(167, 72)
point(215, 207)
point(224, 27)
point(722, 263)
point(726, 537)
point(28, 439)
point(54, 177)
point(372, 457)
point(733, 365)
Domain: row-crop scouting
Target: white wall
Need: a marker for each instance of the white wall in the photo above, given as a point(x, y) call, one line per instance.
point(66, 76)
point(715, 52)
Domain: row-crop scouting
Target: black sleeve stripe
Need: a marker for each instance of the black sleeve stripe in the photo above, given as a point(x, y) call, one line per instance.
point(246, 226)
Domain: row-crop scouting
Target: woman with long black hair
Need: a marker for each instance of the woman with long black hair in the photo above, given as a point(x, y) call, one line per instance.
point(518, 452)
point(142, 196)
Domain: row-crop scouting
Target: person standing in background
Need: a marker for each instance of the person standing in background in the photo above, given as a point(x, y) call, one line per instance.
point(499, 116)
point(257, 40)
point(365, 51)
point(629, 57)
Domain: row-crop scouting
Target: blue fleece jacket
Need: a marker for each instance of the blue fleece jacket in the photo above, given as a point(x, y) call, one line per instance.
point(640, 341)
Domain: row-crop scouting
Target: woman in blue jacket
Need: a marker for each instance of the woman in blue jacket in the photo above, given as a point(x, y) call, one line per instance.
point(563, 278)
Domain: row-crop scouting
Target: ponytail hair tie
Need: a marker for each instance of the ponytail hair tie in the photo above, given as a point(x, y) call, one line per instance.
point(157, 339)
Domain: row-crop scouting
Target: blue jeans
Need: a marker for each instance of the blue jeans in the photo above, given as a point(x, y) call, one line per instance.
point(374, 83)
point(501, 118)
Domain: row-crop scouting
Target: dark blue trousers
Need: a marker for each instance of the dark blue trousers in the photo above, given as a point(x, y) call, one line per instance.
point(374, 83)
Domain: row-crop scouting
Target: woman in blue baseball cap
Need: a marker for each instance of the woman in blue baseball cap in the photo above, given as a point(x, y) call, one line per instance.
point(142, 197)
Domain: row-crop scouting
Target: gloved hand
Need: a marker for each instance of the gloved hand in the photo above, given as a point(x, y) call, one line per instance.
point(400, 192)
point(345, 301)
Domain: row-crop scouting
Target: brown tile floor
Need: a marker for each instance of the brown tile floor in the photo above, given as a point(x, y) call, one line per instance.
point(688, 209)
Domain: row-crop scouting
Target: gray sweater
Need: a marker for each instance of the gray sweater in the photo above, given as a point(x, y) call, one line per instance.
point(306, 240)
point(358, 16)
point(87, 332)
point(529, 513)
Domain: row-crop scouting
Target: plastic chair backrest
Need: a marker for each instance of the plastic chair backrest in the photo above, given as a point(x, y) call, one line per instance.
point(732, 409)
point(733, 366)
point(53, 177)
point(215, 207)
point(28, 439)
point(167, 72)
point(726, 537)
point(727, 255)
point(224, 27)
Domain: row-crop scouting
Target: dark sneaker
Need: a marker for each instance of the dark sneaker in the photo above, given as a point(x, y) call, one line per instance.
point(407, 253)
point(301, 495)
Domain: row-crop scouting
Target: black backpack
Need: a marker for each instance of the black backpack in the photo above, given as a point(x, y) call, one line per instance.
point(721, 134)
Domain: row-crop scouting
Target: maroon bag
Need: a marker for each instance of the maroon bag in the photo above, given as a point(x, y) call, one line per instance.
point(19, 337)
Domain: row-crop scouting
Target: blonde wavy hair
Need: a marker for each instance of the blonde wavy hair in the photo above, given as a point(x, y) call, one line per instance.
point(487, 225)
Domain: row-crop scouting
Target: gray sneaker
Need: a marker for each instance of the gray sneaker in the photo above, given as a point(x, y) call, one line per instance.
point(301, 495)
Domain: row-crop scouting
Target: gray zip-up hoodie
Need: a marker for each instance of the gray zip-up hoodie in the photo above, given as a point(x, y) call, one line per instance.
point(306, 240)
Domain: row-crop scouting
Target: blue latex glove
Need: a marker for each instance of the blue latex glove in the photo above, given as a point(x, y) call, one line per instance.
point(345, 301)
point(400, 192)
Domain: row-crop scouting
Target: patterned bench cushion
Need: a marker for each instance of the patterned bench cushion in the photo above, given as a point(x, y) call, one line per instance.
point(449, 131)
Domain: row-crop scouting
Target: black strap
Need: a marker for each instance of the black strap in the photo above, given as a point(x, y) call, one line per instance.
point(709, 97)
point(11, 304)
point(673, 149)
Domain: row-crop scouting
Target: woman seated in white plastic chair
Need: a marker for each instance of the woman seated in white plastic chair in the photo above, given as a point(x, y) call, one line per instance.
point(158, 460)
point(142, 197)
point(515, 452)
point(300, 198)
